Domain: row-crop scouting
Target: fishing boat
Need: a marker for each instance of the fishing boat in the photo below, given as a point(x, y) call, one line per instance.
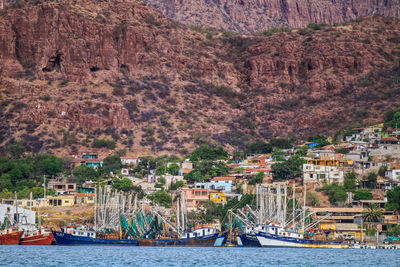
point(249, 240)
point(81, 236)
point(277, 236)
point(10, 236)
point(41, 236)
point(205, 237)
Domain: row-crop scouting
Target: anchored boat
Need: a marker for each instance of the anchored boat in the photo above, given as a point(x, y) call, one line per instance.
point(276, 236)
point(41, 236)
point(80, 236)
point(205, 237)
point(10, 236)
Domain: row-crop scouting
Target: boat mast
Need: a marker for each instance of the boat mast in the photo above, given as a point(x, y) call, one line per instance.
point(16, 216)
point(285, 206)
point(294, 201)
point(304, 206)
point(95, 208)
point(44, 187)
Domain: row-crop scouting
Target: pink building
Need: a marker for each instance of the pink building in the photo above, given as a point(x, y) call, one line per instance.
point(195, 196)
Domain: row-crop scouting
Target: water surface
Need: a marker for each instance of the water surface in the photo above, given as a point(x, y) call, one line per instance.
point(156, 256)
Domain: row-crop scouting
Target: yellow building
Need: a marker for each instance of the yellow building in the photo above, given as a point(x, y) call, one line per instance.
point(25, 203)
point(60, 201)
point(342, 231)
point(218, 197)
point(331, 162)
point(84, 198)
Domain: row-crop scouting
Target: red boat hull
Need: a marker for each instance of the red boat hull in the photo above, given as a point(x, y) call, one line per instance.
point(41, 239)
point(12, 238)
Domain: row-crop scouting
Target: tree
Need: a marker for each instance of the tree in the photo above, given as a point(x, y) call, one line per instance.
point(211, 169)
point(193, 176)
point(382, 170)
point(123, 184)
point(259, 147)
point(372, 214)
point(312, 199)
point(85, 173)
point(281, 143)
point(161, 170)
point(393, 199)
point(16, 150)
point(205, 152)
point(173, 169)
point(99, 143)
point(394, 230)
point(112, 163)
point(161, 197)
point(371, 180)
point(335, 192)
point(176, 185)
point(350, 182)
point(362, 195)
point(257, 179)
point(5, 194)
point(288, 168)
point(321, 140)
point(302, 151)
point(162, 180)
point(49, 164)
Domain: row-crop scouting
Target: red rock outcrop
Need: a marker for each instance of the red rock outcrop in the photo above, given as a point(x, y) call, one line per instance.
point(72, 71)
point(251, 16)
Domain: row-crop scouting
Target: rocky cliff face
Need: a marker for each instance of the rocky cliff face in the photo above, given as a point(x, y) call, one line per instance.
point(72, 72)
point(249, 16)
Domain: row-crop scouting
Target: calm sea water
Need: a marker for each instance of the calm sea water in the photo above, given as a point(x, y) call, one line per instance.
point(155, 256)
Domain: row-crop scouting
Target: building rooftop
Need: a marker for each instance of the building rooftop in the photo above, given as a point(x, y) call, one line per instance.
point(224, 178)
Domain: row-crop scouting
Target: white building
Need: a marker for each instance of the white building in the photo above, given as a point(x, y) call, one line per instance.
point(24, 217)
point(393, 174)
point(316, 173)
point(130, 161)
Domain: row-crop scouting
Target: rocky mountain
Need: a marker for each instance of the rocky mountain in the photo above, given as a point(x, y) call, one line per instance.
point(76, 71)
point(249, 16)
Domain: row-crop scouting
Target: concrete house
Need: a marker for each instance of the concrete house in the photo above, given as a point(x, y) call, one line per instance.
point(314, 173)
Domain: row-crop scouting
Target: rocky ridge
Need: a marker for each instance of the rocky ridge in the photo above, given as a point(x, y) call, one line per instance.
point(249, 16)
point(72, 72)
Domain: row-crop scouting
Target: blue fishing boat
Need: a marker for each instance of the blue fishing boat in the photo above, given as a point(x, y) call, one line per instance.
point(85, 237)
point(249, 240)
point(199, 238)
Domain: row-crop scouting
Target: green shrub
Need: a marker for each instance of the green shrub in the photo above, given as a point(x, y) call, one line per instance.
point(316, 26)
point(100, 143)
point(362, 195)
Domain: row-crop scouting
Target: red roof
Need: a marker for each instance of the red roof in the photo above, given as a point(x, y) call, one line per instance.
point(389, 139)
point(84, 194)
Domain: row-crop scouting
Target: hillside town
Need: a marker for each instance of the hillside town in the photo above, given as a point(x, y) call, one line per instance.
point(350, 187)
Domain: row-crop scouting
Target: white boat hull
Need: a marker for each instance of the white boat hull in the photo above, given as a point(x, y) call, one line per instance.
point(277, 242)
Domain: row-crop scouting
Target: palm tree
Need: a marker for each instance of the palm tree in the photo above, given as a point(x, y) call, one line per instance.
point(372, 214)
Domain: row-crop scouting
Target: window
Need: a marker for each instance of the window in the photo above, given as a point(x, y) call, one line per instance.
point(71, 186)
